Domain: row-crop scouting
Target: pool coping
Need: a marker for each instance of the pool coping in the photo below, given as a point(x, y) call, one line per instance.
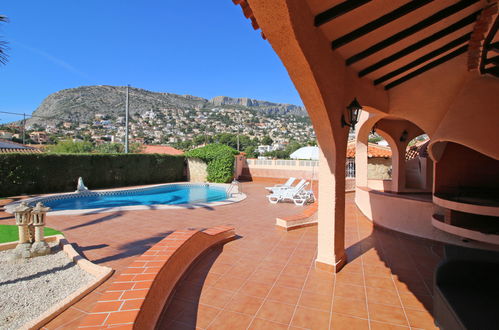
point(233, 198)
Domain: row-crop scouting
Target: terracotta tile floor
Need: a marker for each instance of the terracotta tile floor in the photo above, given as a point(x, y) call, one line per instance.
point(266, 279)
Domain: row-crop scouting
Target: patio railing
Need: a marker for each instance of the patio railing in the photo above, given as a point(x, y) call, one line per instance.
point(308, 164)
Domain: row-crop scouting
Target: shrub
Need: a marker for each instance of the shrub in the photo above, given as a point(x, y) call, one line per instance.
point(44, 173)
point(220, 160)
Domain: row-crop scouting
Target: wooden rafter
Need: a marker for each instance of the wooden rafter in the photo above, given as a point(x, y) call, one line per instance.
point(437, 17)
point(337, 11)
point(379, 22)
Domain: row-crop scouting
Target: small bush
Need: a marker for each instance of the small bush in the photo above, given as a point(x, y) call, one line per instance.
point(46, 173)
point(220, 160)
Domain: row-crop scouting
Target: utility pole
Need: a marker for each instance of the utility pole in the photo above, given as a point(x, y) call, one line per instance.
point(126, 120)
point(24, 128)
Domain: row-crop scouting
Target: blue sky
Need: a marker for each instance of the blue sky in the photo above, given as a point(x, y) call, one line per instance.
point(203, 48)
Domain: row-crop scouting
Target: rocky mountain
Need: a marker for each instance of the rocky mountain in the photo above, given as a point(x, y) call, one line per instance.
point(81, 104)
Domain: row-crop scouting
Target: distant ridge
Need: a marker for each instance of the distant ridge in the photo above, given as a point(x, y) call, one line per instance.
point(81, 104)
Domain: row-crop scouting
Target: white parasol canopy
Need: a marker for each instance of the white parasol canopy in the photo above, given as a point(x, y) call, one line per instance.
point(311, 153)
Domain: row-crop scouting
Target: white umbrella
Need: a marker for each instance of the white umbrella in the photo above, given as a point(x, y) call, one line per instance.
point(311, 153)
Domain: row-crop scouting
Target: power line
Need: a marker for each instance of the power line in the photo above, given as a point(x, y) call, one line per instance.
point(26, 115)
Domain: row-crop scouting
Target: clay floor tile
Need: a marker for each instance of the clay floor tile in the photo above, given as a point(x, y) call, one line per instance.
point(284, 295)
point(263, 276)
point(241, 271)
point(230, 321)
point(290, 281)
point(229, 283)
point(419, 302)
point(310, 318)
point(384, 297)
point(416, 287)
point(420, 319)
point(388, 314)
point(351, 278)
point(256, 289)
point(271, 266)
point(198, 315)
point(350, 307)
point(245, 304)
point(259, 324)
point(276, 312)
point(319, 286)
point(317, 301)
point(380, 283)
point(296, 270)
point(220, 269)
point(350, 291)
point(379, 271)
point(216, 297)
point(345, 322)
point(386, 326)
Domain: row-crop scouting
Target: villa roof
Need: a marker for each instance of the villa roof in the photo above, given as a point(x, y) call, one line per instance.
point(159, 149)
point(373, 151)
point(13, 147)
point(419, 34)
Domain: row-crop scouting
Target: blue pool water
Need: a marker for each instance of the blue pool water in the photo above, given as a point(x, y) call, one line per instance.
point(160, 195)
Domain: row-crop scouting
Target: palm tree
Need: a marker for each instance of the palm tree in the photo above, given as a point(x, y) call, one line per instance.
point(3, 44)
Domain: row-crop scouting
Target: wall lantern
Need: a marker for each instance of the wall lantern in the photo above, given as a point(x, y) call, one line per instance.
point(404, 136)
point(353, 114)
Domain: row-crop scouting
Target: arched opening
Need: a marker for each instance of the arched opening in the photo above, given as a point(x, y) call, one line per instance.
point(379, 162)
point(466, 192)
point(418, 165)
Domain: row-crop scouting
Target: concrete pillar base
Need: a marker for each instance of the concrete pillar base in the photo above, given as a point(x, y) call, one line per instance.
point(331, 268)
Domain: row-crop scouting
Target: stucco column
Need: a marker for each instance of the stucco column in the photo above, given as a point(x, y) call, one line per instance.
point(331, 213)
point(362, 130)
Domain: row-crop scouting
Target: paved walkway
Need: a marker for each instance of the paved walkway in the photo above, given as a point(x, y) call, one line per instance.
point(266, 279)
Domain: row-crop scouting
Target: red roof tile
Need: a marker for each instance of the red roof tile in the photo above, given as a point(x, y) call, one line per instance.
point(373, 150)
point(158, 149)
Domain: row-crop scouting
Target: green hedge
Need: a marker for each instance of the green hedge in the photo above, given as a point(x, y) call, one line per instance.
point(45, 173)
point(220, 160)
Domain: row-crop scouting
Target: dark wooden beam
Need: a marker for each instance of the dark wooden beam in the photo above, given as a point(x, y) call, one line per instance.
point(379, 22)
point(444, 13)
point(493, 60)
point(488, 45)
point(493, 71)
point(424, 58)
point(337, 11)
point(420, 44)
point(431, 65)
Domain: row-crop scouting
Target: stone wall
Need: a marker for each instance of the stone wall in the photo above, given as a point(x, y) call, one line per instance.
point(379, 168)
point(196, 170)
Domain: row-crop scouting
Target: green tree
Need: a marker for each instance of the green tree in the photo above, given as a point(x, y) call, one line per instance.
point(266, 140)
point(67, 146)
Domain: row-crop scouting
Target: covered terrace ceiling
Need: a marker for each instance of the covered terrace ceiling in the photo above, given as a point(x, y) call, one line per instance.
point(390, 42)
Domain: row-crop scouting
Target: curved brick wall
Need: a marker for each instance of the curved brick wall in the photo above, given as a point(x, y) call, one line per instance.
point(137, 296)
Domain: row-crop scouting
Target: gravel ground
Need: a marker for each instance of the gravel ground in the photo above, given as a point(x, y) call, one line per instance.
point(29, 287)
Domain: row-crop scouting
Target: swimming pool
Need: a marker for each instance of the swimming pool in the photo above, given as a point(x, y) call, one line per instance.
point(159, 196)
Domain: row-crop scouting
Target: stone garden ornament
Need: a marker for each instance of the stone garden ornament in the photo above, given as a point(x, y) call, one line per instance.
point(30, 222)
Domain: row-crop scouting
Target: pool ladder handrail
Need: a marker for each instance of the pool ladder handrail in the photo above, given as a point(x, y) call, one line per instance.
point(234, 184)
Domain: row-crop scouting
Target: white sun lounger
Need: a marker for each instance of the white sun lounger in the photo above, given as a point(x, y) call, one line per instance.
point(285, 185)
point(297, 194)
